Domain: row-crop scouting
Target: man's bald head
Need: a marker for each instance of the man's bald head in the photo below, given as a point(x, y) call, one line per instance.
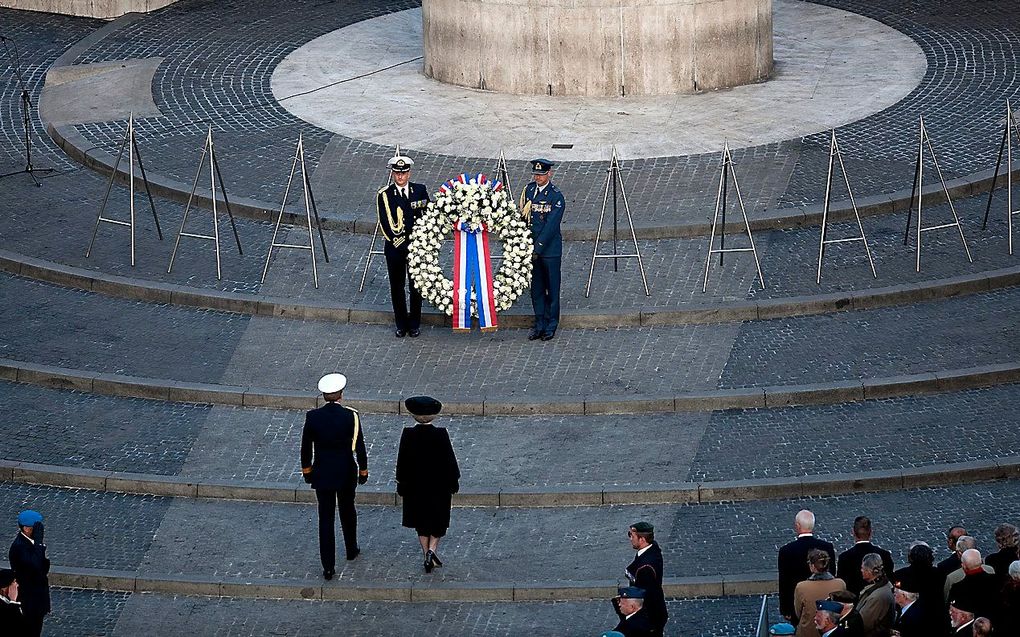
point(804, 522)
point(971, 559)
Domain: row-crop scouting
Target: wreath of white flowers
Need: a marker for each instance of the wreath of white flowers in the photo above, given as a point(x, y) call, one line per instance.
point(475, 202)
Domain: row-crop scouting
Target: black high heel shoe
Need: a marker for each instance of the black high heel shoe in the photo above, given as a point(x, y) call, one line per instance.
point(428, 562)
point(435, 560)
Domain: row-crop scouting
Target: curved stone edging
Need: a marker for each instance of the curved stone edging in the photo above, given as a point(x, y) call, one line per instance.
point(534, 497)
point(185, 296)
point(83, 152)
point(132, 582)
point(827, 393)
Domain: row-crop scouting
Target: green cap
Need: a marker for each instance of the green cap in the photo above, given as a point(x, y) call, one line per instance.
point(642, 527)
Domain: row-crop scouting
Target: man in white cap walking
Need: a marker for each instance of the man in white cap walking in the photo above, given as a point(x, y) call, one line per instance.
point(331, 440)
point(399, 205)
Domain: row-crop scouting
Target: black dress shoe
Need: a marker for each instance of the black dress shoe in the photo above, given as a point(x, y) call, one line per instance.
point(328, 573)
point(428, 562)
point(534, 335)
point(352, 555)
point(399, 333)
point(438, 563)
point(548, 336)
point(415, 333)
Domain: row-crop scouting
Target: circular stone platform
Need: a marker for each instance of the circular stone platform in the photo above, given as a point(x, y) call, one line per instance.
point(832, 67)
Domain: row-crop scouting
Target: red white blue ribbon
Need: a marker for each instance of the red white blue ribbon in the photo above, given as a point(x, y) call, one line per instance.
point(472, 266)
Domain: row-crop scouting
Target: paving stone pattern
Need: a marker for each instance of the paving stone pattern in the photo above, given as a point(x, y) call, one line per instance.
point(239, 539)
point(85, 613)
point(85, 528)
point(90, 431)
point(161, 614)
point(257, 139)
point(79, 430)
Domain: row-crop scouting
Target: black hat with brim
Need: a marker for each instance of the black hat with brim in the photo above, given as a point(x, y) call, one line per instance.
point(423, 406)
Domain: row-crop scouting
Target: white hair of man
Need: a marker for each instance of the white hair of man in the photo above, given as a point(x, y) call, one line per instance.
point(970, 559)
point(805, 521)
point(965, 543)
point(873, 563)
point(1014, 570)
point(906, 597)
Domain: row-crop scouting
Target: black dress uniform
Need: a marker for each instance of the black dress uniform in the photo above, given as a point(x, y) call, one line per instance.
point(31, 567)
point(331, 439)
point(646, 572)
point(397, 213)
point(544, 209)
point(638, 624)
point(848, 565)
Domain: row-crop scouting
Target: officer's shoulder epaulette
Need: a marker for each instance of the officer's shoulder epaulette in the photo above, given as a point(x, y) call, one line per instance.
point(553, 188)
point(383, 189)
point(349, 408)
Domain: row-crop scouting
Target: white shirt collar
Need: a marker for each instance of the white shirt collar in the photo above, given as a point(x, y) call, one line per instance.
point(806, 535)
point(862, 542)
point(632, 614)
point(904, 609)
point(962, 626)
point(642, 551)
point(27, 538)
point(540, 189)
point(829, 632)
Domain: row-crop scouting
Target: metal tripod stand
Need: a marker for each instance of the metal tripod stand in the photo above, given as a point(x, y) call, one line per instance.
point(14, 58)
point(727, 174)
point(835, 154)
point(1012, 128)
point(615, 181)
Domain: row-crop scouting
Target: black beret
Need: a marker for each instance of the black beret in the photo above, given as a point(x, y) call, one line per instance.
point(6, 577)
point(423, 406)
point(966, 603)
point(908, 584)
point(643, 527)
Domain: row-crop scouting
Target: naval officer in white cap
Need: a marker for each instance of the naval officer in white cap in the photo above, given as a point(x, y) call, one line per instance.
point(331, 442)
point(399, 205)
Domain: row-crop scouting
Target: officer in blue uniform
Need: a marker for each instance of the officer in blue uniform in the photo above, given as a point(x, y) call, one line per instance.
point(542, 204)
point(399, 205)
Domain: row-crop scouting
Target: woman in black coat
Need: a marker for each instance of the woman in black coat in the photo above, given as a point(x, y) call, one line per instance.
point(427, 477)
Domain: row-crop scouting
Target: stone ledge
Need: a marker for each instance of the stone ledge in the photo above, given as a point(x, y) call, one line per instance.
point(260, 588)
point(834, 392)
point(1006, 468)
point(104, 9)
point(765, 309)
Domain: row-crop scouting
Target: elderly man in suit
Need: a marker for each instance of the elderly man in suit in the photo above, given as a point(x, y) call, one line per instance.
point(332, 452)
point(848, 566)
point(793, 566)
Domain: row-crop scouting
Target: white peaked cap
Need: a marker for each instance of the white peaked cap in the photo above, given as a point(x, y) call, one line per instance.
point(332, 383)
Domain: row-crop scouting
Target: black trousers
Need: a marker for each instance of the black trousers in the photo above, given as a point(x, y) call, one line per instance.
point(34, 624)
point(328, 501)
point(396, 267)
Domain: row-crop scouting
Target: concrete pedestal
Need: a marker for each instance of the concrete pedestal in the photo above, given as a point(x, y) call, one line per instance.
point(88, 8)
point(598, 47)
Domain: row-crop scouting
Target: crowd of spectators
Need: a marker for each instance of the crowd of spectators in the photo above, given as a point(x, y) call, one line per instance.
point(860, 593)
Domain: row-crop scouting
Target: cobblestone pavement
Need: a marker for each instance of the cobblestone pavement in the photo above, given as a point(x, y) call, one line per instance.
point(216, 443)
point(78, 612)
point(113, 335)
point(256, 135)
point(236, 539)
point(84, 613)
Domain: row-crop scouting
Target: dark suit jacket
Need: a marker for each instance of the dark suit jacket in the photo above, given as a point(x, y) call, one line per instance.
point(646, 572)
point(931, 602)
point(848, 566)
point(326, 447)
point(639, 625)
point(1000, 561)
point(983, 588)
point(793, 568)
point(915, 622)
point(427, 476)
point(397, 214)
point(31, 567)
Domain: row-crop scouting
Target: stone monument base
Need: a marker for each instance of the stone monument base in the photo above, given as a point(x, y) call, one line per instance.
point(598, 47)
point(88, 8)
